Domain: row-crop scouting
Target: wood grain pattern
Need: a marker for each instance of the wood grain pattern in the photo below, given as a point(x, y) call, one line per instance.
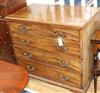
point(62, 76)
point(58, 15)
point(10, 6)
point(34, 40)
point(51, 60)
point(87, 54)
point(13, 78)
point(34, 35)
point(7, 7)
point(7, 3)
point(6, 50)
point(44, 37)
point(47, 35)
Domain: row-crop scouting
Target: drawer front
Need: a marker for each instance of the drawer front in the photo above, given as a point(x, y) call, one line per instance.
point(46, 71)
point(46, 44)
point(46, 31)
point(43, 30)
point(39, 42)
point(70, 62)
point(25, 29)
point(48, 37)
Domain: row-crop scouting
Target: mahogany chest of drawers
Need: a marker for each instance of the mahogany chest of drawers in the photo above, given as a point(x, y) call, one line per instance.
point(7, 7)
point(53, 43)
point(6, 50)
point(10, 6)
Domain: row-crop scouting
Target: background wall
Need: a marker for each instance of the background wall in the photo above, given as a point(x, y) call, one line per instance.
point(40, 1)
point(94, 3)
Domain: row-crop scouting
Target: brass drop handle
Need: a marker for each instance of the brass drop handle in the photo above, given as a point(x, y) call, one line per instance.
point(27, 55)
point(23, 28)
point(62, 63)
point(60, 41)
point(65, 78)
point(30, 68)
point(25, 42)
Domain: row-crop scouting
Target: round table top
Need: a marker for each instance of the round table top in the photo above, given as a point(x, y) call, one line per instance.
point(13, 78)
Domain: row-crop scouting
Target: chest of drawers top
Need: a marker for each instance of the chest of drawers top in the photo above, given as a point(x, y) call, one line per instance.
point(54, 14)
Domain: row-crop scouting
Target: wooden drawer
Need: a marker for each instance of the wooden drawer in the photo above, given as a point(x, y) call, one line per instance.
point(45, 44)
point(25, 29)
point(39, 42)
point(45, 30)
point(40, 36)
point(49, 72)
point(53, 59)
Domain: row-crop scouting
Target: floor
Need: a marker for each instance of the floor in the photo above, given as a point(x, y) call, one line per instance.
point(43, 87)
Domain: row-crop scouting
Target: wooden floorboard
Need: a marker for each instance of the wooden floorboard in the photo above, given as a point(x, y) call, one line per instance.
point(43, 87)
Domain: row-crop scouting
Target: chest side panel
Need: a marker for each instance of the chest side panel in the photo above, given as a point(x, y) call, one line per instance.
point(86, 35)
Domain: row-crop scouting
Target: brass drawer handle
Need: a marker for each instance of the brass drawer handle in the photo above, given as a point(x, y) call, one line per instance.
point(30, 68)
point(25, 42)
point(60, 41)
point(65, 78)
point(23, 28)
point(27, 55)
point(62, 63)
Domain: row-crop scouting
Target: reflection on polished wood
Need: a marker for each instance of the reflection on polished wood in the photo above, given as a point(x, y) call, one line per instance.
point(35, 31)
point(13, 78)
point(59, 15)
